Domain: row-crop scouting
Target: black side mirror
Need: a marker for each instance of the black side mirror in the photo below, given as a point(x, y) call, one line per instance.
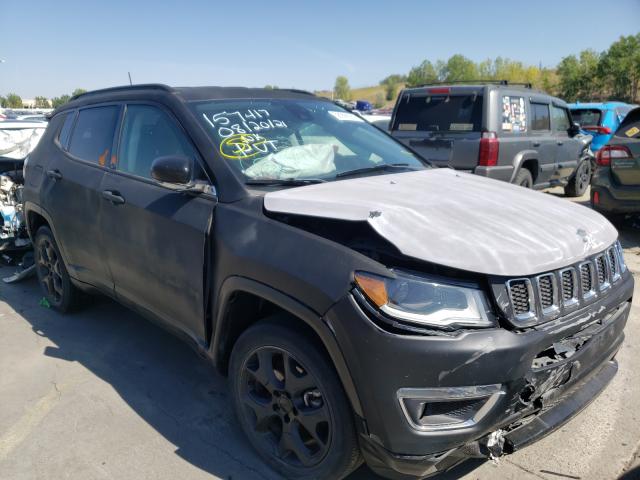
point(574, 129)
point(172, 169)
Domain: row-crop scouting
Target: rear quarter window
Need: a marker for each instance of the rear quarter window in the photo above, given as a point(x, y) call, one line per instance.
point(630, 127)
point(65, 131)
point(437, 113)
point(514, 114)
point(92, 137)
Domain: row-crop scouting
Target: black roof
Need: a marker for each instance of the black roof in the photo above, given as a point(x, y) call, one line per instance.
point(184, 93)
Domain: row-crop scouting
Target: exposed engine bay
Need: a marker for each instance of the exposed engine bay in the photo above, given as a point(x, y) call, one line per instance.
point(15, 245)
point(17, 140)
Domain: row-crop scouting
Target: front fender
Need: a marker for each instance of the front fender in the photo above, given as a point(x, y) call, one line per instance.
point(235, 284)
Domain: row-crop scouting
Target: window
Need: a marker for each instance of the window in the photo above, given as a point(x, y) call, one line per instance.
point(436, 113)
point(93, 134)
point(149, 133)
point(586, 116)
point(65, 131)
point(540, 116)
point(514, 114)
point(560, 119)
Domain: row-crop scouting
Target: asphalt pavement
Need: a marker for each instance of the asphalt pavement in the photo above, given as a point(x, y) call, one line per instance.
point(104, 394)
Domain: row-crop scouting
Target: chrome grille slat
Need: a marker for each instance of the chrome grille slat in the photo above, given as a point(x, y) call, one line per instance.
point(545, 296)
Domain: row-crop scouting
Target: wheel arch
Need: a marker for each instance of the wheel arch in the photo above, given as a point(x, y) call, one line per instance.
point(526, 159)
point(236, 311)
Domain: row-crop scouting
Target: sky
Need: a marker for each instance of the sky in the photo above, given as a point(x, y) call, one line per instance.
point(51, 48)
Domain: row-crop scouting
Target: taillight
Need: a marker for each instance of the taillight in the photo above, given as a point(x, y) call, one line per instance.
point(611, 152)
point(597, 129)
point(439, 90)
point(489, 150)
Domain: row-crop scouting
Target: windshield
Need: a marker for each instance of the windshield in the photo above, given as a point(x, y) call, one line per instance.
point(437, 113)
point(586, 117)
point(280, 139)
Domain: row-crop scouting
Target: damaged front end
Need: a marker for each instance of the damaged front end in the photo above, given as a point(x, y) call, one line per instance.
point(17, 140)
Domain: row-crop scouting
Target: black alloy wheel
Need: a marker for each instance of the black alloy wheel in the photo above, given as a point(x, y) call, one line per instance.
point(290, 415)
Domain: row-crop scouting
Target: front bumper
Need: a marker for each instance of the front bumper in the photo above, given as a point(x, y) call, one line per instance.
point(535, 400)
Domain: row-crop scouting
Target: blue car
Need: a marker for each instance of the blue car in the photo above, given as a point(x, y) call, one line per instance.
point(600, 119)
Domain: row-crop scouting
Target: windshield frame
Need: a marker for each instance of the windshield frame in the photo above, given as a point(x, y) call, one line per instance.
point(416, 161)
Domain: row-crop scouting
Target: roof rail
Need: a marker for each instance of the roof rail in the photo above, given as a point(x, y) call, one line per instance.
point(487, 82)
point(140, 86)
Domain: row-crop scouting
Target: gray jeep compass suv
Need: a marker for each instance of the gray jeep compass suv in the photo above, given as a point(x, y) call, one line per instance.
point(363, 304)
point(497, 130)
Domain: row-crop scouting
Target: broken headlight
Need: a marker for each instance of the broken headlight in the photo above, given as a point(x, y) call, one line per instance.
point(419, 300)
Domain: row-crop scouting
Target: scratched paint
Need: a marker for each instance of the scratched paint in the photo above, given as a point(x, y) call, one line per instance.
point(459, 220)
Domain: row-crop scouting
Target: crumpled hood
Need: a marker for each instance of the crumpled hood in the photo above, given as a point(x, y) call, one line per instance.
point(459, 220)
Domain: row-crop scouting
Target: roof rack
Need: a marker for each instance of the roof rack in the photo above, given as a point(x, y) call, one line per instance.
point(140, 86)
point(487, 82)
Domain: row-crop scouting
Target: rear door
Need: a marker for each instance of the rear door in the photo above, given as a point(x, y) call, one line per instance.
point(71, 190)
point(443, 125)
point(625, 151)
point(154, 236)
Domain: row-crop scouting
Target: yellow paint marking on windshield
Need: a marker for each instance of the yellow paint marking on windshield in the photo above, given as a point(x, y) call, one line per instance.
point(243, 146)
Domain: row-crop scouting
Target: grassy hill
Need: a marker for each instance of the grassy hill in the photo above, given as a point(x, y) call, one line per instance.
point(373, 94)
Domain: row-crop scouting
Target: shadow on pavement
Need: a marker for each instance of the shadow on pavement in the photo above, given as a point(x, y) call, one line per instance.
point(165, 382)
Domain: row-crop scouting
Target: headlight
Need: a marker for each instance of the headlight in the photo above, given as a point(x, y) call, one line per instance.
point(422, 301)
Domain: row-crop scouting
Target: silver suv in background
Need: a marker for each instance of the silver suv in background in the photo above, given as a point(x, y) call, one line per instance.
point(499, 130)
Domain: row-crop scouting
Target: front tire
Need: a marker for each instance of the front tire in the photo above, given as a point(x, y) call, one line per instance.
point(52, 273)
point(291, 405)
point(580, 181)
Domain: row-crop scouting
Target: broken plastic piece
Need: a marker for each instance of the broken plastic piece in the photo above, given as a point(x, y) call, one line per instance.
point(44, 303)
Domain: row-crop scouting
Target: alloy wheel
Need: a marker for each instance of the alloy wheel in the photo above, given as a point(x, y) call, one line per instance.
point(49, 268)
point(584, 176)
point(286, 408)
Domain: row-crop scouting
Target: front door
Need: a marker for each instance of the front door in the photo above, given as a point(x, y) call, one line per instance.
point(569, 148)
point(155, 237)
point(543, 141)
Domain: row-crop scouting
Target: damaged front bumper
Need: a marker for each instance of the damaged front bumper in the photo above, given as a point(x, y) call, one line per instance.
point(430, 402)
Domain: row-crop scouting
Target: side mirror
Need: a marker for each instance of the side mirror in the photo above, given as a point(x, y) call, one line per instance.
point(172, 169)
point(574, 129)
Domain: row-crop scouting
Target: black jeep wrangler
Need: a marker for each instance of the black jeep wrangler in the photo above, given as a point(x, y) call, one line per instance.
point(363, 304)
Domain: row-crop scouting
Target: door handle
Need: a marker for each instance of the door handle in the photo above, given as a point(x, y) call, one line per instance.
point(560, 143)
point(54, 174)
point(113, 197)
point(536, 144)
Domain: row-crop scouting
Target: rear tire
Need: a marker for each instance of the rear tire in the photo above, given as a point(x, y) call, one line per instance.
point(524, 178)
point(52, 273)
point(580, 181)
point(291, 405)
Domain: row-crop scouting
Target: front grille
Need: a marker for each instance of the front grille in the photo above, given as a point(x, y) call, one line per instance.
point(567, 285)
point(586, 277)
point(519, 291)
point(552, 293)
point(546, 291)
point(601, 269)
point(612, 254)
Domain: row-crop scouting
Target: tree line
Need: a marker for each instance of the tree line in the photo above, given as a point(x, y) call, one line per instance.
point(13, 100)
point(613, 74)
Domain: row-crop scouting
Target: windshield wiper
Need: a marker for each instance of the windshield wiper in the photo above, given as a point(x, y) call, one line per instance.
point(284, 181)
point(376, 168)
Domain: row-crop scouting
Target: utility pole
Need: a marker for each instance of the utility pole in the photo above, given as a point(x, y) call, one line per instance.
point(130, 82)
